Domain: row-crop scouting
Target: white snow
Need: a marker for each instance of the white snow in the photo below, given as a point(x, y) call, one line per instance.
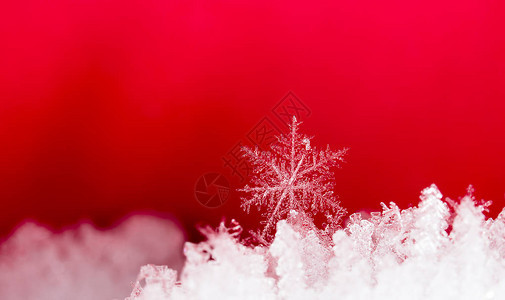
point(84, 262)
point(395, 254)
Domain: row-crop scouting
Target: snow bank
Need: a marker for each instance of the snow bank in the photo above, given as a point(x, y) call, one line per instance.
point(85, 263)
point(437, 250)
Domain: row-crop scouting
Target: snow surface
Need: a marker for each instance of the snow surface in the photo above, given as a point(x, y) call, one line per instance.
point(437, 250)
point(83, 262)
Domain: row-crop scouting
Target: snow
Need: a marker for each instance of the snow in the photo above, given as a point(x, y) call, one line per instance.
point(440, 249)
point(83, 262)
point(395, 254)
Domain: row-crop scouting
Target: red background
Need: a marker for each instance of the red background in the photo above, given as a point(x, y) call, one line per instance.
point(110, 107)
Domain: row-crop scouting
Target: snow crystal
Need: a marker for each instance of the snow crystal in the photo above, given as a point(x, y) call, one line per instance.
point(292, 176)
point(437, 250)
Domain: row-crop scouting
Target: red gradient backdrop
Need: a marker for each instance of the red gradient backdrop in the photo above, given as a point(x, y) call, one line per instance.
point(110, 107)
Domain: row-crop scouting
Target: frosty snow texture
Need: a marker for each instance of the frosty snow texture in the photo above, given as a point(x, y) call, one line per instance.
point(395, 254)
point(437, 250)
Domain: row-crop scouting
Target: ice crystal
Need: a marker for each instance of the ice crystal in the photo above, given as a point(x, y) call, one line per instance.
point(398, 234)
point(240, 271)
point(439, 249)
point(292, 176)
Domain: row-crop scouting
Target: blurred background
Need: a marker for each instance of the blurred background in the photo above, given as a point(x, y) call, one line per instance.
point(113, 107)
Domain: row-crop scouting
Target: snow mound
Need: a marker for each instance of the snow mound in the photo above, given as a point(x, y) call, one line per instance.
point(437, 250)
point(84, 262)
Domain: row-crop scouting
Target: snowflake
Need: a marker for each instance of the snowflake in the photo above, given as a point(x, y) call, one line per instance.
point(292, 176)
